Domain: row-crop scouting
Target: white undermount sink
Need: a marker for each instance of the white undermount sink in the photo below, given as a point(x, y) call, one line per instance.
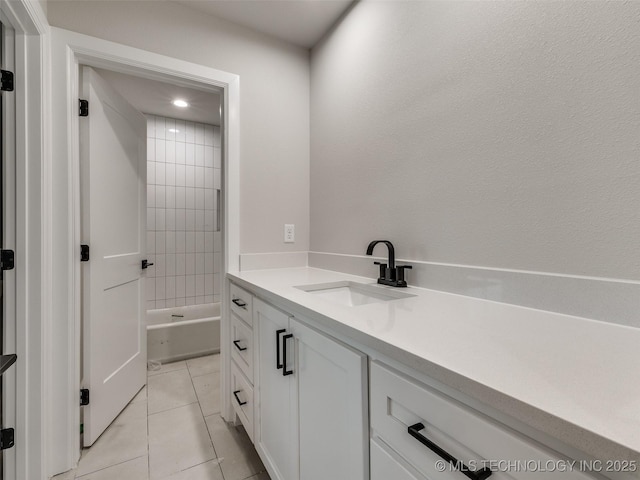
point(353, 294)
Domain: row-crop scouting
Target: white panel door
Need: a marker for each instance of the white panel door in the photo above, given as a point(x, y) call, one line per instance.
point(8, 283)
point(275, 431)
point(332, 407)
point(113, 179)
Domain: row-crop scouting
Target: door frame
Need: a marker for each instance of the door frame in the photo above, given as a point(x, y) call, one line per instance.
point(32, 235)
point(68, 51)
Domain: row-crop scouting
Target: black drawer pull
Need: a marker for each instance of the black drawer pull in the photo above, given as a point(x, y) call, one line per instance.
point(279, 364)
point(235, 394)
point(414, 431)
point(239, 303)
point(242, 349)
point(285, 372)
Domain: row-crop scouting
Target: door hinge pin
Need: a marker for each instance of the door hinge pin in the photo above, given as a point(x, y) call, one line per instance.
point(84, 397)
point(84, 253)
point(7, 259)
point(7, 436)
point(6, 81)
point(84, 108)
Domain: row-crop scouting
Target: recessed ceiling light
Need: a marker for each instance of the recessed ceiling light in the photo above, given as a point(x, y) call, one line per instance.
point(180, 103)
point(174, 130)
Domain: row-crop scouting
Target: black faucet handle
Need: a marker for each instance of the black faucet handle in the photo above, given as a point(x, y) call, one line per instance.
point(401, 269)
point(383, 269)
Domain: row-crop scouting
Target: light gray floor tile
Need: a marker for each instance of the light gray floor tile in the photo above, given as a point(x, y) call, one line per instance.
point(204, 365)
point(137, 469)
point(178, 439)
point(170, 390)
point(141, 396)
point(178, 443)
point(125, 439)
point(238, 458)
point(168, 367)
point(208, 392)
point(204, 471)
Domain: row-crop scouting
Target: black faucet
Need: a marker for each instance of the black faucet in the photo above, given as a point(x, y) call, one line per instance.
point(389, 274)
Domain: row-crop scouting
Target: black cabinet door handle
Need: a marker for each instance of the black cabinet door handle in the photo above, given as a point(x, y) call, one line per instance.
point(236, 342)
point(239, 302)
point(279, 364)
point(414, 431)
point(235, 394)
point(285, 372)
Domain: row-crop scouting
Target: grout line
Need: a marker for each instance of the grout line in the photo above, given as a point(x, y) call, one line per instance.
point(205, 423)
point(148, 436)
point(104, 468)
point(155, 373)
point(197, 465)
point(203, 374)
point(172, 408)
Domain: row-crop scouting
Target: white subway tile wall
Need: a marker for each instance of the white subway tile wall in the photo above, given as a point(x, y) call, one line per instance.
point(183, 241)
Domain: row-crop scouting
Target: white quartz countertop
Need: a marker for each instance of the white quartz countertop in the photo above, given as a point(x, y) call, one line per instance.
point(575, 379)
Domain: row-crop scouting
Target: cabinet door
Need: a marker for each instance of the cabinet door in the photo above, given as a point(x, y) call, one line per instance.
point(332, 407)
point(276, 425)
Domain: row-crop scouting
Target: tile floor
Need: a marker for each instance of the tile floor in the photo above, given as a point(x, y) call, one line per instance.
point(173, 430)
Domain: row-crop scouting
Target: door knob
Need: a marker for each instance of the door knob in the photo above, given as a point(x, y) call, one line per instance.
point(145, 264)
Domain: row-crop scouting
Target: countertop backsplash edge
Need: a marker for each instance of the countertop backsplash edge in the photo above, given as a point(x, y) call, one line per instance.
point(606, 300)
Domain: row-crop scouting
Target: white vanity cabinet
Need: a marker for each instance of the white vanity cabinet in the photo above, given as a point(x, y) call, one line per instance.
point(415, 428)
point(242, 357)
point(319, 408)
point(311, 397)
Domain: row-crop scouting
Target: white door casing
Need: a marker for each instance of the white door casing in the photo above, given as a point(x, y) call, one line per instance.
point(113, 209)
point(32, 227)
point(61, 342)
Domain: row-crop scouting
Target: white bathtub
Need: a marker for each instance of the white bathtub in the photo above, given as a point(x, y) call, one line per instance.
point(183, 332)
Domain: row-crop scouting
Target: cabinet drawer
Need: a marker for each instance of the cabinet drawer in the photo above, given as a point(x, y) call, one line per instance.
point(241, 302)
point(242, 398)
point(385, 467)
point(470, 437)
point(242, 346)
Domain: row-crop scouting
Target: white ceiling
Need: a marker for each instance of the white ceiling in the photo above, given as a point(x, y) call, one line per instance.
point(301, 22)
point(151, 96)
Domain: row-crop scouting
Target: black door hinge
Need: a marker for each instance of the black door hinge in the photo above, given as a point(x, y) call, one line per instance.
point(84, 253)
point(7, 259)
point(84, 397)
point(6, 81)
point(7, 436)
point(84, 108)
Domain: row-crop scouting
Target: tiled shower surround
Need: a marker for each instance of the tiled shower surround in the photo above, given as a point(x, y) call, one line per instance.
point(183, 191)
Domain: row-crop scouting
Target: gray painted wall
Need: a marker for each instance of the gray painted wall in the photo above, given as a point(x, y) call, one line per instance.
point(274, 106)
point(503, 134)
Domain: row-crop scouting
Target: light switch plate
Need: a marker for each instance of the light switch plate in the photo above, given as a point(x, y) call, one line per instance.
point(289, 233)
